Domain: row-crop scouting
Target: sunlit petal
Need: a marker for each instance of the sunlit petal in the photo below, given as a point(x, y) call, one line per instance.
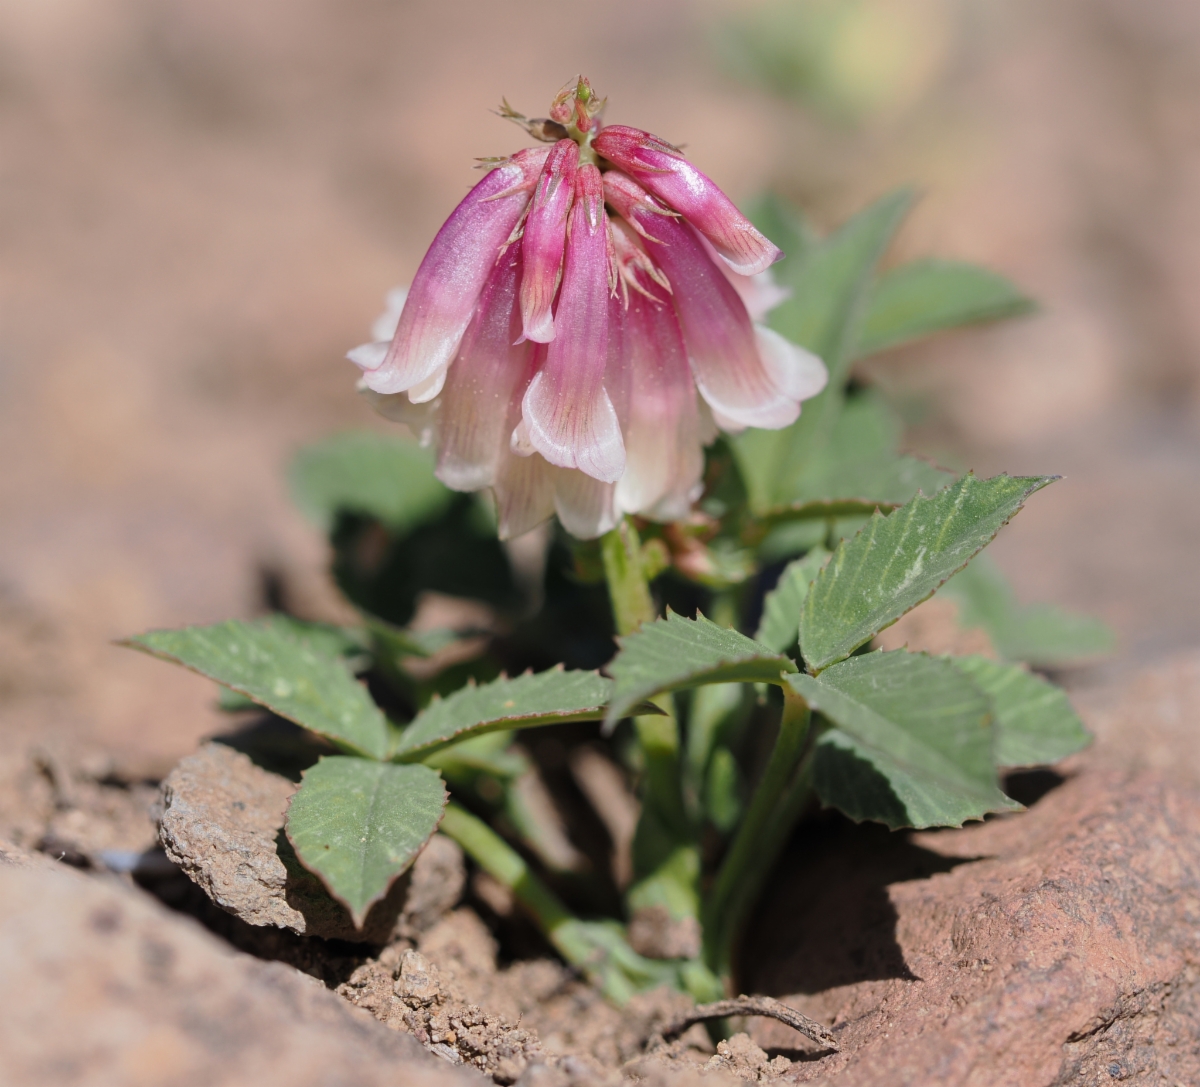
point(544, 239)
point(484, 387)
point(664, 171)
point(569, 415)
point(446, 287)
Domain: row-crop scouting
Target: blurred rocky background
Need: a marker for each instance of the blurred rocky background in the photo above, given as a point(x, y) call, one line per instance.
point(202, 206)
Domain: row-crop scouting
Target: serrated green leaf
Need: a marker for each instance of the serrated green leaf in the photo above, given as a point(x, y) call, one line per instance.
point(358, 824)
point(1035, 724)
point(325, 639)
point(829, 285)
point(528, 701)
point(780, 626)
point(929, 296)
point(913, 742)
point(387, 478)
point(895, 562)
point(674, 653)
point(1040, 634)
point(289, 677)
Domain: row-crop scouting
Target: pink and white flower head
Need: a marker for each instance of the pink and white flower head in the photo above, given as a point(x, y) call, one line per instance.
point(556, 334)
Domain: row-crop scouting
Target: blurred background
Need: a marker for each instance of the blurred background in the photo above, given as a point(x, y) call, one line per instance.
point(202, 206)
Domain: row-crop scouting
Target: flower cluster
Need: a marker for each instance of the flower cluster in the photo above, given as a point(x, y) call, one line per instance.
point(556, 333)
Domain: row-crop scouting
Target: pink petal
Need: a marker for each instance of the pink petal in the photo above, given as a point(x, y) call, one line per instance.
point(524, 489)
point(669, 176)
point(447, 285)
point(545, 238)
point(760, 293)
point(584, 505)
point(651, 385)
point(716, 327)
point(481, 400)
point(569, 416)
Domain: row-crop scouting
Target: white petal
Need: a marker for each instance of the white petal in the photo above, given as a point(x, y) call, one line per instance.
point(426, 390)
point(579, 433)
point(797, 373)
point(368, 356)
point(421, 419)
point(584, 505)
point(524, 490)
point(385, 324)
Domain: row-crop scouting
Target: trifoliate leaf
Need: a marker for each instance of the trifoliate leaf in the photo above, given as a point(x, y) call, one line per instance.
point(528, 701)
point(895, 562)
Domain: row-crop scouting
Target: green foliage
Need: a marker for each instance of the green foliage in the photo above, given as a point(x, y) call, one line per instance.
point(1040, 634)
point(860, 465)
point(359, 824)
point(1035, 724)
point(899, 738)
point(385, 571)
point(780, 626)
point(912, 746)
point(528, 701)
point(388, 479)
point(897, 561)
point(290, 677)
point(928, 296)
point(783, 223)
point(722, 790)
point(829, 281)
point(674, 653)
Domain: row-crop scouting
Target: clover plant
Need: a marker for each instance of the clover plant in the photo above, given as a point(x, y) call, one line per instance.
point(713, 622)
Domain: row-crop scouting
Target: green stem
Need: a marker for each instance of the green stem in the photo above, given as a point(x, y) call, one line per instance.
point(791, 806)
point(598, 948)
point(496, 857)
point(747, 861)
point(658, 737)
point(628, 590)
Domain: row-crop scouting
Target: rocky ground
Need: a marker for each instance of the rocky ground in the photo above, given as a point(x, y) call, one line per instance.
point(1057, 946)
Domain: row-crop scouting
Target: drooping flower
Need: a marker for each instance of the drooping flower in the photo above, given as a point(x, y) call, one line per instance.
point(556, 334)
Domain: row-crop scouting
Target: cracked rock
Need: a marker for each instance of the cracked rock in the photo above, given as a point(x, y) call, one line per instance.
point(222, 823)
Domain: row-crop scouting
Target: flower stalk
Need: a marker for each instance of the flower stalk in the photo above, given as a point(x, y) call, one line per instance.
point(776, 803)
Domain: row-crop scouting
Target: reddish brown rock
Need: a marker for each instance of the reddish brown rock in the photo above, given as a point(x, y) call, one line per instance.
point(1059, 946)
point(100, 986)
